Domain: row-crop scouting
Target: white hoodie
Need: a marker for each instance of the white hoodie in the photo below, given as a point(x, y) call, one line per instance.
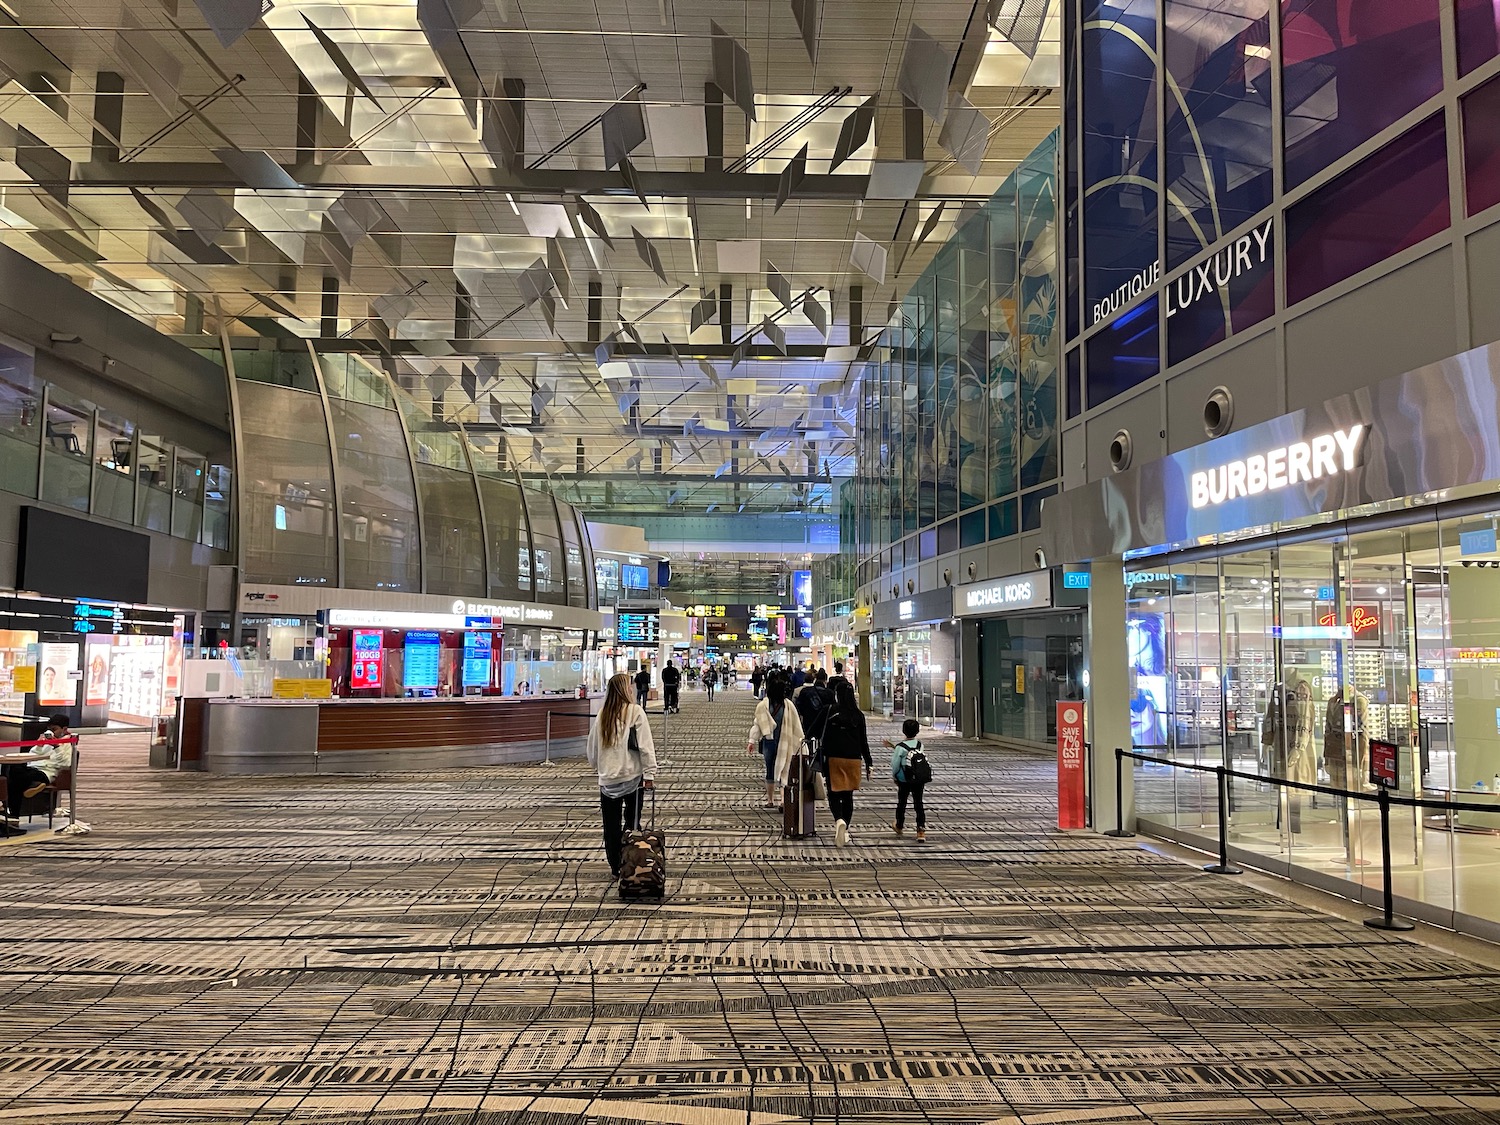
point(617, 766)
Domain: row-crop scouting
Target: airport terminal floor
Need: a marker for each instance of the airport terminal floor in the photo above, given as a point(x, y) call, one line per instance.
point(447, 947)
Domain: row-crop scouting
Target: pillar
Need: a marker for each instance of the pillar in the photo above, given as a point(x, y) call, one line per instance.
point(1108, 693)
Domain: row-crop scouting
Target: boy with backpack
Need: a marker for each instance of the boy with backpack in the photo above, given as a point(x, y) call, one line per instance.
point(912, 772)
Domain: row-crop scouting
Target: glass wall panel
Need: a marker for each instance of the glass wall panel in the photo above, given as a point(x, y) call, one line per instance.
point(20, 418)
point(377, 497)
point(947, 300)
point(578, 594)
point(1218, 138)
point(1392, 200)
point(1125, 354)
point(153, 498)
point(1481, 116)
point(452, 533)
point(1458, 727)
point(1003, 376)
point(288, 521)
point(1478, 32)
point(546, 549)
point(1036, 313)
point(114, 454)
point(452, 537)
point(67, 452)
point(508, 542)
point(973, 361)
point(1351, 70)
point(218, 493)
point(351, 377)
point(187, 494)
point(281, 369)
point(924, 370)
point(1029, 664)
point(1119, 153)
point(911, 440)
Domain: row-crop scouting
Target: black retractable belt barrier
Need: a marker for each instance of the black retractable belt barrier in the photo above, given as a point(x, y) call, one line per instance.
point(1388, 919)
point(1118, 831)
point(1223, 867)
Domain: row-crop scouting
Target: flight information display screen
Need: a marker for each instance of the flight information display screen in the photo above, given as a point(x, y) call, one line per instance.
point(635, 628)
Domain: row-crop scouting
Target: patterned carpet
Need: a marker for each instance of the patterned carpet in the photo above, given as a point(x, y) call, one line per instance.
point(447, 948)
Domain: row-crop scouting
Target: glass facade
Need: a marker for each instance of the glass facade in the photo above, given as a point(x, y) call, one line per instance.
point(1153, 284)
point(1292, 659)
point(961, 396)
point(61, 448)
point(380, 492)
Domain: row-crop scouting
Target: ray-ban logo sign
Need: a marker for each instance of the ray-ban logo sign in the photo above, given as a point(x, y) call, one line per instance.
point(1301, 462)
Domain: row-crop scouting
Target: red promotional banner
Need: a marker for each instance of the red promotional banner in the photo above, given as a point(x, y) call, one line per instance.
point(1070, 812)
point(368, 658)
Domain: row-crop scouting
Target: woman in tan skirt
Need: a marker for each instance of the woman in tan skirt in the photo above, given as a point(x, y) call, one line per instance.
point(846, 748)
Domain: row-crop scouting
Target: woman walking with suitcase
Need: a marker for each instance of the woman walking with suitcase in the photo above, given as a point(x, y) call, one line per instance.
point(619, 746)
point(845, 743)
point(776, 733)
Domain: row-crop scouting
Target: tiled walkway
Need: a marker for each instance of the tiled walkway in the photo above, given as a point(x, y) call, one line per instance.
point(446, 948)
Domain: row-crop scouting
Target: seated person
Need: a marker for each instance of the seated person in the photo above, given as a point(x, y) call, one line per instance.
point(26, 779)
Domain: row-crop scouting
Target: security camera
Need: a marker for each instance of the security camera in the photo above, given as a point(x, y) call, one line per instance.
point(947, 577)
point(911, 586)
point(1041, 559)
point(973, 570)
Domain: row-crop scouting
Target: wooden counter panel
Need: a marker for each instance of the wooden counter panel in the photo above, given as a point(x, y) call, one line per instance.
point(399, 726)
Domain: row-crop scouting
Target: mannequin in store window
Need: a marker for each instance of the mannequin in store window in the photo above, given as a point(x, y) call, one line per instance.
point(1346, 749)
point(1288, 731)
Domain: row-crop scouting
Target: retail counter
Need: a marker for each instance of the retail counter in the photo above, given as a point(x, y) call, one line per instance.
point(255, 736)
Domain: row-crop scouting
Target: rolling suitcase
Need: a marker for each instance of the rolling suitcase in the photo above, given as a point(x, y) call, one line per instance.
point(643, 865)
point(798, 799)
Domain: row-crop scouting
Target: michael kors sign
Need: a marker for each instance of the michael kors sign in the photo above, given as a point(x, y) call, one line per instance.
point(1004, 595)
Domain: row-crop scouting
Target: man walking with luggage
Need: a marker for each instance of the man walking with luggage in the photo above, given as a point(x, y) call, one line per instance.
point(643, 685)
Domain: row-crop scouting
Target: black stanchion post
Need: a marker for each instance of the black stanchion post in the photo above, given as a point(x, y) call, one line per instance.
point(1223, 867)
point(1388, 920)
point(1118, 831)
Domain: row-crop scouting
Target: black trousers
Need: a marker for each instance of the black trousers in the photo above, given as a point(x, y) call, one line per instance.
point(669, 697)
point(905, 789)
point(19, 778)
point(620, 815)
point(841, 804)
point(710, 689)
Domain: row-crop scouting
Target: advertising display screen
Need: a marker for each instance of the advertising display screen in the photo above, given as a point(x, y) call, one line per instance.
point(96, 663)
point(802, 589)
point(478, 658)
point(637, 628)
point(421, 672)
point(635, 577)
point(57, 682)
point(368, 659)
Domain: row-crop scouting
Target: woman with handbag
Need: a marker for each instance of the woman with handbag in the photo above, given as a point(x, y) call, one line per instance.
point(776, 734)
point(846, 749)
point(619, 746)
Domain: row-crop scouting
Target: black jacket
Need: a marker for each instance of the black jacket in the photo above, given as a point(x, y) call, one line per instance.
point(670, 677)
point(813, 703)
point(845, 737)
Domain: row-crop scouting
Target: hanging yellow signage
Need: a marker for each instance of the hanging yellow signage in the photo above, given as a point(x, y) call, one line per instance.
point(1020, 679)
point(23, 678)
